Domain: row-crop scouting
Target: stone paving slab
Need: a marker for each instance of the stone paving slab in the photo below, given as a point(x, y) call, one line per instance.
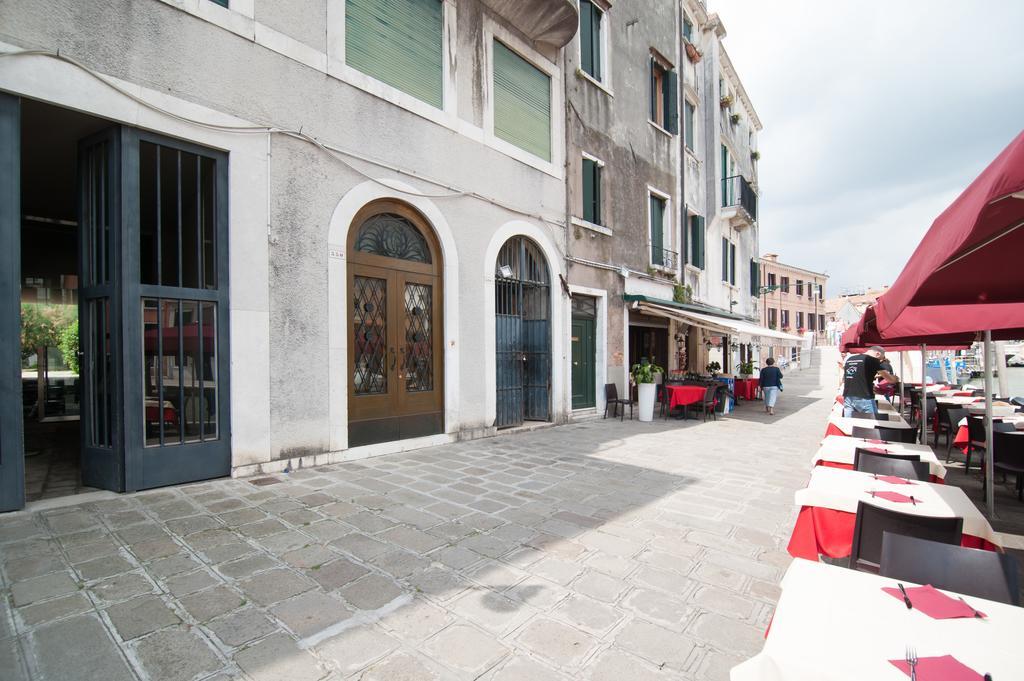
point(595, 550)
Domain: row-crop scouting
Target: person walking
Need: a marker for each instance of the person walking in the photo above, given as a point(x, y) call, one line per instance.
point(859, 381)
point(771, 384)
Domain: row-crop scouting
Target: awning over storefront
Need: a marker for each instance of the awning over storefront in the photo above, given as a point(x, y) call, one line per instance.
point(720, 324)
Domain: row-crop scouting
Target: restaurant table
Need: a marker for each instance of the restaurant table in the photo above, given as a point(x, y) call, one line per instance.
point(881, 404)
point(684, 395)
point(747, 388)
point(843, 425)
point(835, 624)
point(828, 508)
point(837, 451)
point(963, 437)
point(958, 400)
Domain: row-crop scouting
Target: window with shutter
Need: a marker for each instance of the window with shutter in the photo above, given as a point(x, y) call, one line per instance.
point(657, 230)
point(592, 191)
point(522, 103)
point(689, 121)
point(398, 42)
point(687, 29)
point(664, 97)
point(725, 259)
point(755, 277)
point(697, 241)
point(732, 263)
point(590, 39)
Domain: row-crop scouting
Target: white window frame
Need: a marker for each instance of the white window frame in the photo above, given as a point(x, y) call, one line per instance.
point(578, 220)
point(666, 228)
point(605, 82)
point(555, 167)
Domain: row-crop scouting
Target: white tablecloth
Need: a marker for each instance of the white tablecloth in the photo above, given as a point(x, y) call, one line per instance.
point(841, 490)
point(839, 449)
point(835, 624)
point(846, 424)
point(958, 401)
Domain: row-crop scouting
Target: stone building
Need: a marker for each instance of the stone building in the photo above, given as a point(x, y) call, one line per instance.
point(304, 231)
point(794, 301)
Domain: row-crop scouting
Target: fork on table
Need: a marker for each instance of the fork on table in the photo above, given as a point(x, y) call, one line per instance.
point(912, 661)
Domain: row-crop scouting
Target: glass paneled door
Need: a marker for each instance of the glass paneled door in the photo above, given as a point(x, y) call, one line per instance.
point(395, 347)
point(153, 311)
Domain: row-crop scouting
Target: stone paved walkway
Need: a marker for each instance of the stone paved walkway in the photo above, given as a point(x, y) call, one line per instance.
point(599, 550)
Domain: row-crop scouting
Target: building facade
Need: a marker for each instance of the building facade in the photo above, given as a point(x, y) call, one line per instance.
point(290, 234)
point(793, 301)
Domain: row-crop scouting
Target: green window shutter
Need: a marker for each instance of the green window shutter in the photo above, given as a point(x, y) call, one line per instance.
point(222, 3)
point(522, 103)
point(595, 40)
point(657, 230)
point(732, 264)
point(586, 37)
point(591, 191)
point(755, 277)
point(725, 259)
point(688, 125)
point(670, 88)
point(398, 42)
point(697, 237)
point(654, 91)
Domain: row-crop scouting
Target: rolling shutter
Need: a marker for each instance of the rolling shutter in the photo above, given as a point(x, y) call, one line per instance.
point(398, 42)
point(522, 103)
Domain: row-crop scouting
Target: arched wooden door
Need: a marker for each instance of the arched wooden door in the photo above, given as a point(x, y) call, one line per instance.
point(522, 329)
point(395, 346)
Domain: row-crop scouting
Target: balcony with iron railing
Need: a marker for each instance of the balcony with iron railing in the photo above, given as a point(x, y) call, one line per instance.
point(664, 259)
point(739, 201)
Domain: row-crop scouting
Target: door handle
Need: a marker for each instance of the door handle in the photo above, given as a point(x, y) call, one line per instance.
point(393, 358)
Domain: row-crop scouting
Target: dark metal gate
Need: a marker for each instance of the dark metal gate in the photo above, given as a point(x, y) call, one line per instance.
point(522, 310)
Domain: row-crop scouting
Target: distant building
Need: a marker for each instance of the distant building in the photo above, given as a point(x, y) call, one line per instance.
point(846, 310)
point(793, 301)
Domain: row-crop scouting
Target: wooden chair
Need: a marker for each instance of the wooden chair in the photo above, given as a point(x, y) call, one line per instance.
point(611, 398)
point(974, 572)
point(873, 521)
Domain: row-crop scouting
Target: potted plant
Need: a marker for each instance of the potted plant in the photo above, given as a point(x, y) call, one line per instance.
point(713, 368)
point(725, 101)
point(746, 369)
point(735, 118)
point(755, 156)
point(643, 374)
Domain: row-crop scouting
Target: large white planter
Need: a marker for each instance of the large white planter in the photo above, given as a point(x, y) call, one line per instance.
point(646, 392)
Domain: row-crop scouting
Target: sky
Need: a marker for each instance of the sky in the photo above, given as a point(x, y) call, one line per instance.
point(876, 117)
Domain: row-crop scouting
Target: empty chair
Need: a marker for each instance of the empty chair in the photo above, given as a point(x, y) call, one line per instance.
point(611, 398)
point(865, 451)
point(710, 401)
point(1019, 401)
point(974, 572)
point(882, 433)
point(862, 415)
point(900, 466)
point(872, 521)
point(1008, 455)
point(977, 436)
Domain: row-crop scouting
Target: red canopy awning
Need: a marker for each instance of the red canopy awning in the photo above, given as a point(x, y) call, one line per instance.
point(971, 259)
point(917, 324)
point(865, 333)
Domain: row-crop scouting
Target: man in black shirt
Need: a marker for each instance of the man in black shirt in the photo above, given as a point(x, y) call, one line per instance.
point(859, 381)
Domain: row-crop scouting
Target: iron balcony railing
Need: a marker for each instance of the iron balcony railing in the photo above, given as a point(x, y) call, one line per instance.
point(736, 191)
point(662, 257)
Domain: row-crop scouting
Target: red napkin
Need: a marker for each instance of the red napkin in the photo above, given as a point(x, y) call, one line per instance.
point(934, 603)
point(894, 496)
point(893, 480)
point(877, 442)
point(945, 668)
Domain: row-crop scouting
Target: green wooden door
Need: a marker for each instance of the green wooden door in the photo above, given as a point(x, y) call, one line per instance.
point(583, 363)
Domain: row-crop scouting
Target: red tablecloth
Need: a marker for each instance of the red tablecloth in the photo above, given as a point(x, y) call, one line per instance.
point(830, 533)
point(153, 414)
point(849, 467)
point(683, 395)
point(833, 429)
point(962, 439)
point(747, 388)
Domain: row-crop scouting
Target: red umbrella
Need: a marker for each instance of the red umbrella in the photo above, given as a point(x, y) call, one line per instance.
point(970, 258)
point(865, 333)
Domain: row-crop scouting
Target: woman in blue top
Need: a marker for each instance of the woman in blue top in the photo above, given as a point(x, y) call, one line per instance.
point(771, 384)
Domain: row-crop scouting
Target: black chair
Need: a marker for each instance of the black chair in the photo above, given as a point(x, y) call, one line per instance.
point(974, 572)
point(873, 521)
point(862, 415)
point(950, 424)
point(905, 435)
point(710, 402)
point(1008, 455)
point(977, 437)
point(1019, 401)
point(611, 398)
point(898, 465)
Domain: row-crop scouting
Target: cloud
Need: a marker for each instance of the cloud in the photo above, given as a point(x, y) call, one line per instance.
point(876, 117)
